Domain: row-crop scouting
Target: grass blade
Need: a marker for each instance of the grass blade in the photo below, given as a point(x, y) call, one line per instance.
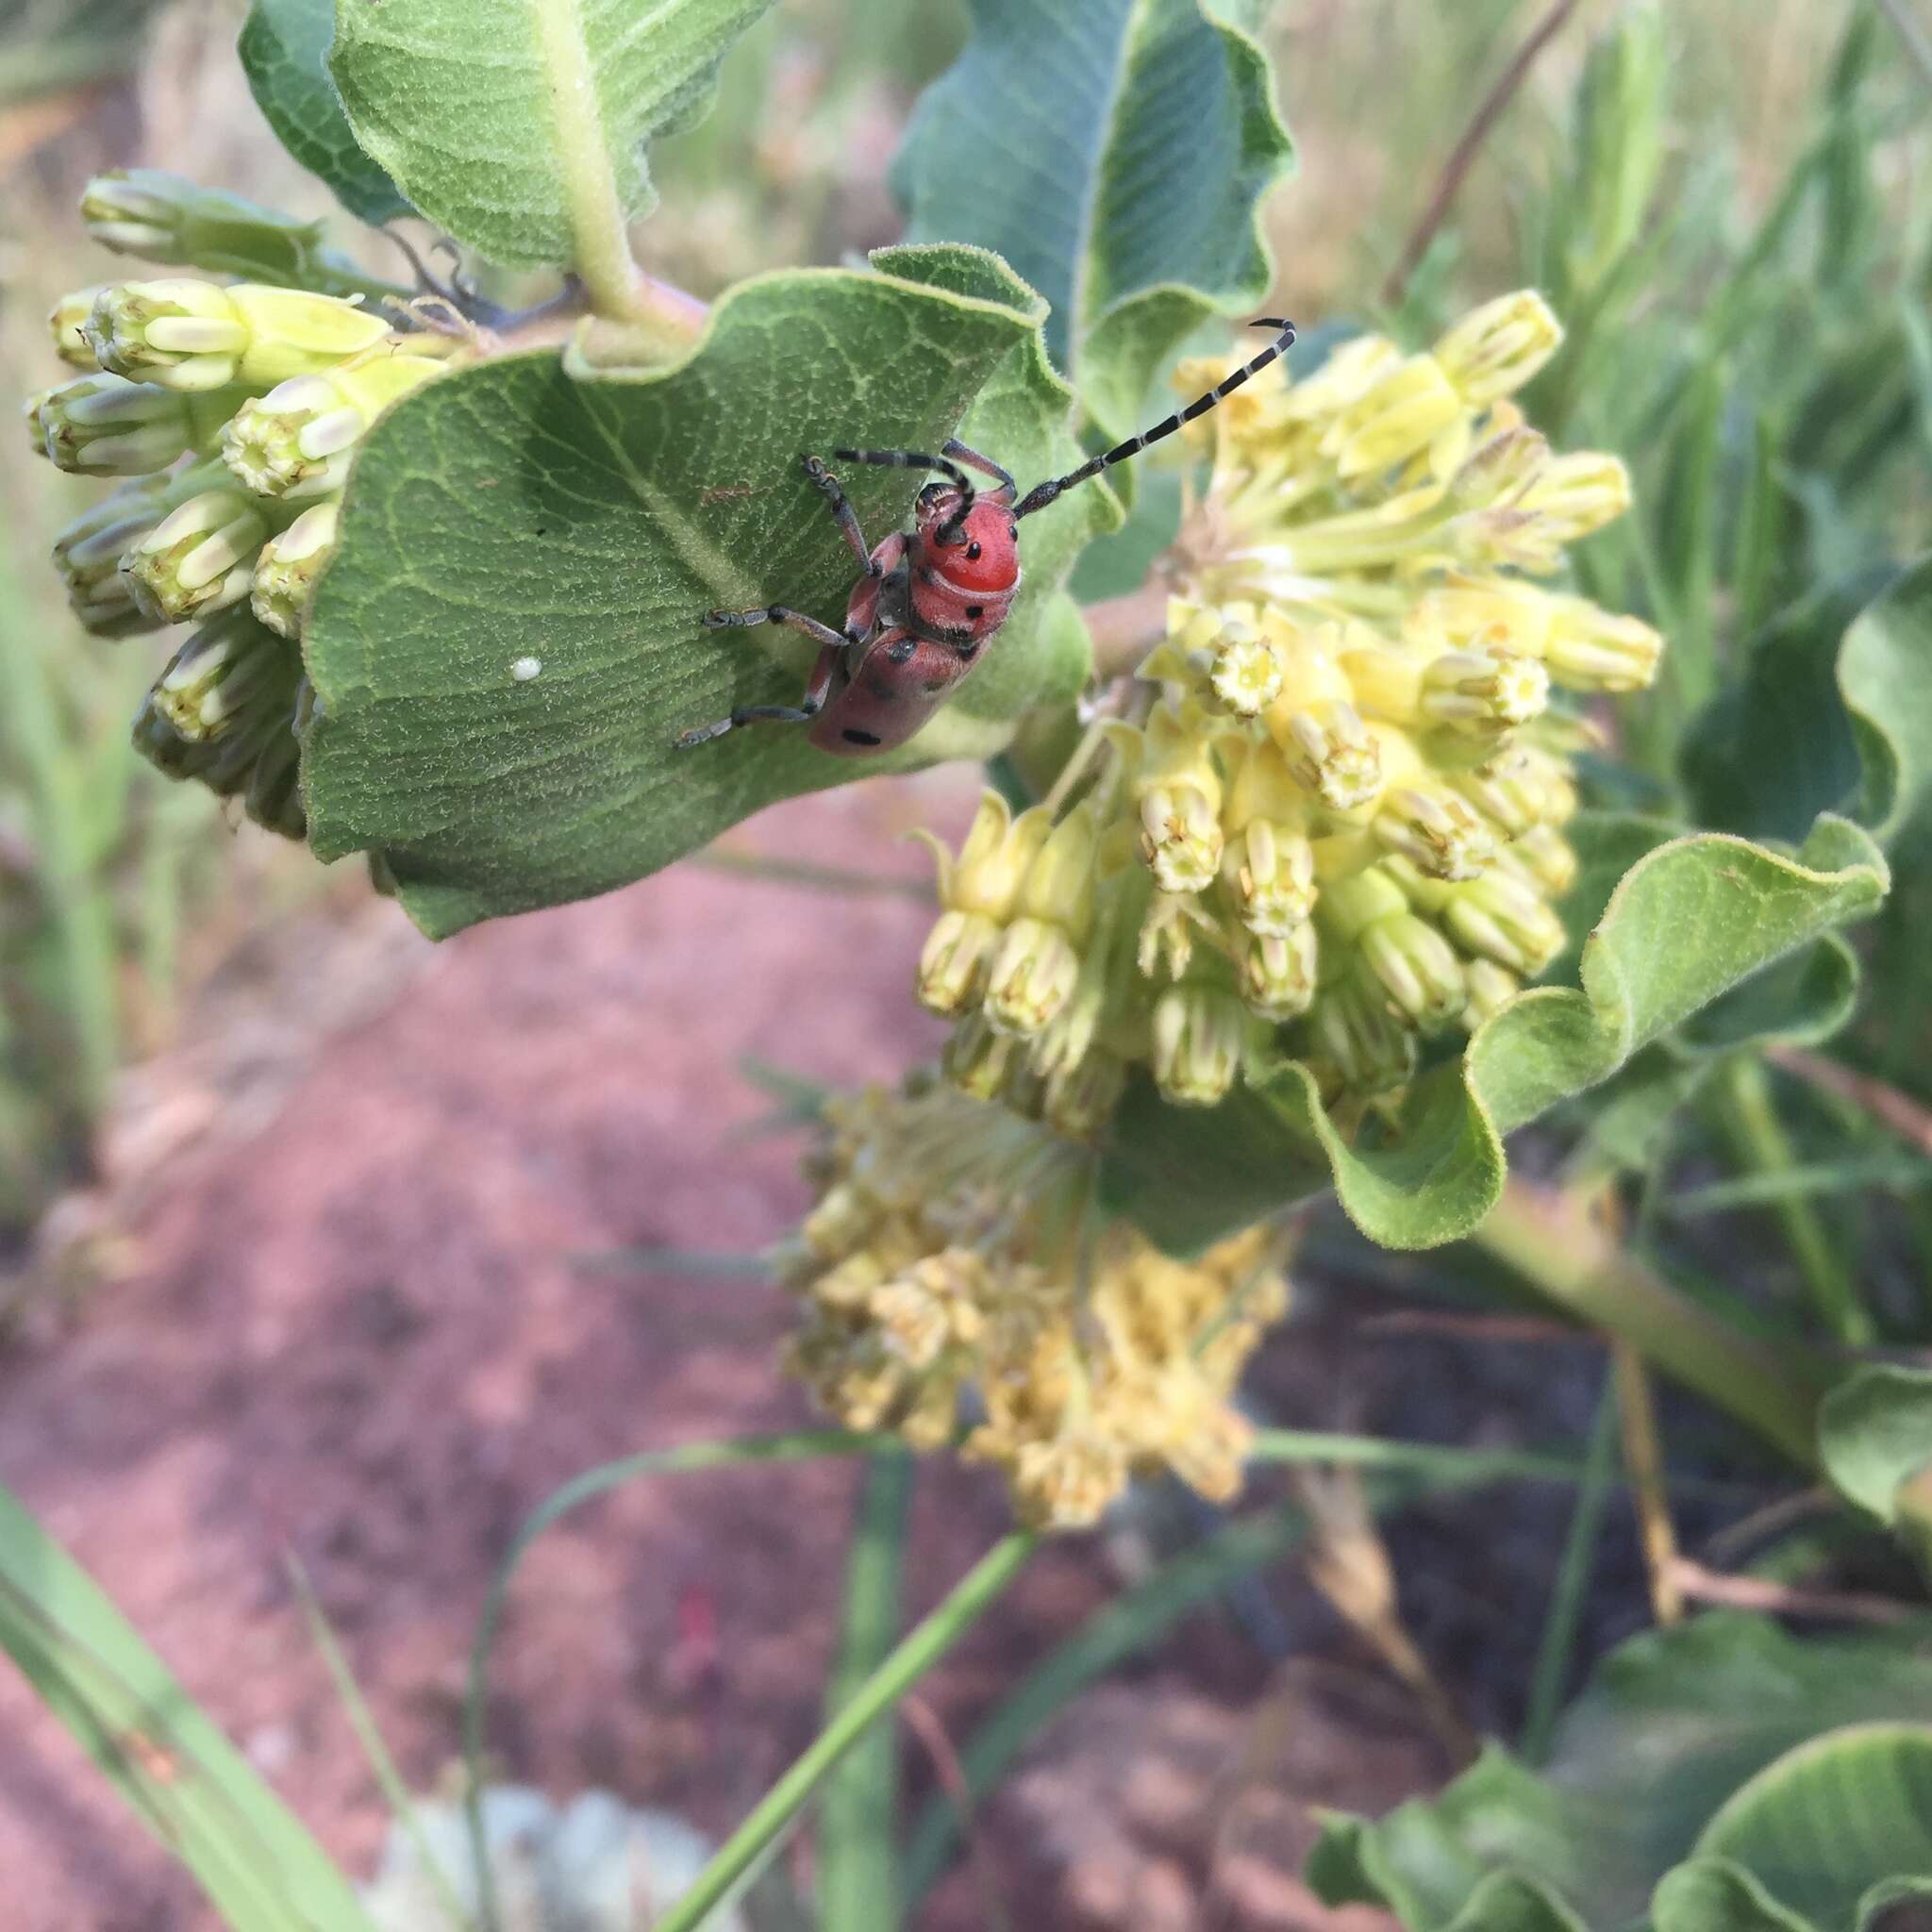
point(259, 1866)
point(858, 1829)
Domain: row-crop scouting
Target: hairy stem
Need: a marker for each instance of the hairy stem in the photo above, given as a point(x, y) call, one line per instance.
point(1560, 1248)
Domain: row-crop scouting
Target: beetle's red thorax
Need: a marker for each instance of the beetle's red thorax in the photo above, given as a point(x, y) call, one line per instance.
point(963, 589)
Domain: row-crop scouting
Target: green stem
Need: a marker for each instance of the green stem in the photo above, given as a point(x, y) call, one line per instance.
point(1558, 1246)
point(858, 1828)
point(875, 1697)
point(1758, 1135)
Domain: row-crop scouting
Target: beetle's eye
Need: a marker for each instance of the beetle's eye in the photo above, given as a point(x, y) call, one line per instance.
point(930, 494)
point(973, 551)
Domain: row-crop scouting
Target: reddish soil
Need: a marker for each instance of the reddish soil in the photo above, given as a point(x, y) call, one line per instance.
point(355, 1321)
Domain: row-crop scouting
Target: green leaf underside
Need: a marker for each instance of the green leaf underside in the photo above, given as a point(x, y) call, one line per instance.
point(475, 109)
point(1802, 1763)
point(1875, 1434)
point(284, 50)
point(1114, 152)
point(505, 515)
point(1693, 919)
point(208, 1805)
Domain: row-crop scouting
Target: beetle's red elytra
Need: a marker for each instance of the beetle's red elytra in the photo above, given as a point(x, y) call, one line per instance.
point(931, 598)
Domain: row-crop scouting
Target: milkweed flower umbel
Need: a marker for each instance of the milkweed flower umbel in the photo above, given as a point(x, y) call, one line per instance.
point(953, 1268)
point(1326, 823)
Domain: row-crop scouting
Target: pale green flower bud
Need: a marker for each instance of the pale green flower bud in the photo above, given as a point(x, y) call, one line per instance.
point(1402, 414)
point(67, 325)
point(1547, 856)
point(979, 1060)
point(1592, 649)
point(1438, 831)
point(1081, 1099)
point(197, 559)
point(1200, 1038)
point(1513, 790)
point(952, 966)
point(285, 571)
point(88, 553)
point(1269, 872)
point(105, 426)
point(999, 848)
point(1497, 348)
point(166, 218)
point(1350, 905)
point(1417, 968)
point(212, 680)
point(1166, 944)
point(1505, 920)
point(299, 438)
point(1033, 976)
point(1058, 886)
point(1491, 987)
point(1331, 753)
point(1501, 473)
point(187, 334)
point(1355, 1029)
point(1481, 693)
point(1278, 972)
point(1578, 494)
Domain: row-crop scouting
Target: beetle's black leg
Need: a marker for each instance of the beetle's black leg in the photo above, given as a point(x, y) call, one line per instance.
point(841, 509)
point(777, 613)
point(816, 693)
point(986, 467)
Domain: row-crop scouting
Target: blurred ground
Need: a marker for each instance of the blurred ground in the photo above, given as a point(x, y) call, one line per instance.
point(356, 1326)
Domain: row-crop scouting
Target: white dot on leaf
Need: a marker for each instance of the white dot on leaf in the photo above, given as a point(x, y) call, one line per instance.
point(526, 668)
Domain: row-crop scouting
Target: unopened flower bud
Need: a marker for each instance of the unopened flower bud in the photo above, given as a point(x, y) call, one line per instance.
point(1356, 1028)
point(211, 678)
point(1033, 975)
point(1481, 693)
point(1166, 944)
point(1512, 789)
point(978, 1059)
point(1269, 872)
point(188, 334)
point(954, 964)
point(1505, 920)
point(1495, 350)
point(1080, 1100)
point(1200, 1038)
point(1416, 967)
point(197, 559)
point(1331, 753)
point(88, 553)
point(1438, 831)
point(289, 562)
point(999, 848)
point(1547, 856)
point(1491, 987)
point(1501, 473)
point(1578, 494)
point(299, 438)
point(1592, 649)
point(1278, 972)
point(1404, 413)
point(67, 325)
point(105, 426)
point(166, 218)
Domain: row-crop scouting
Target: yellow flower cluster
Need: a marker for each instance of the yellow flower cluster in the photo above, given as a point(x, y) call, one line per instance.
point(1326, 823)
point(953, 1274)
point(235, 410)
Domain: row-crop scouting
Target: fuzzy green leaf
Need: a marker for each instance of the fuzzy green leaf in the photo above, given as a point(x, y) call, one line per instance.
point(1723, 1738)
point(1507, 1903)
point(1732, 909)
point(497, 118)
point(1715, 1895)
point(1134, 139)
point(1832, 1818)
point(284, 50)
point(506, 516)
point(1874, 1435)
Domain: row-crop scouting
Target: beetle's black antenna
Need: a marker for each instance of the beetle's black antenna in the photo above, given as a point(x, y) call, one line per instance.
point(914, 459)
point(1045, 494)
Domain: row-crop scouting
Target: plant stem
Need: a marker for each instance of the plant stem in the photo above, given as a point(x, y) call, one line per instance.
point(913, 1657)
point(1751, 1120)
point(1558, 1245)
point(618, 291)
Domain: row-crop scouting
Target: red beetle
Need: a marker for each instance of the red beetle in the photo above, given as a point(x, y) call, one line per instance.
point(931, 596)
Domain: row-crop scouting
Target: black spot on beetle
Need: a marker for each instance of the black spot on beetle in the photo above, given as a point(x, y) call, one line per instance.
point(974, 550)
point(975, 611)
point(934, 685)
point(862, 738)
